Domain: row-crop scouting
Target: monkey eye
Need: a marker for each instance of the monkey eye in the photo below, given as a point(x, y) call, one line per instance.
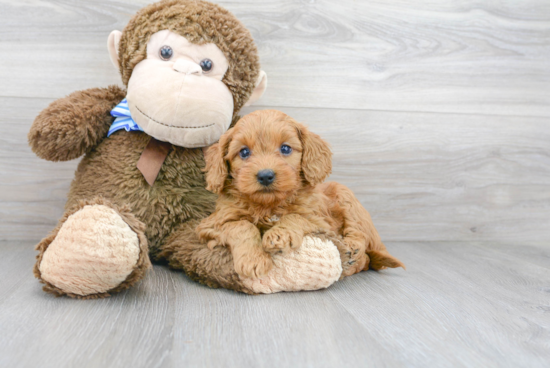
point(165, 53)
point(206, 65)
point(286, 149)
point(244, 153)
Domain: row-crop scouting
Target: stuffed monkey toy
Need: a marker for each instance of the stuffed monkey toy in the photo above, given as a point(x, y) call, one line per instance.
point(188, 66)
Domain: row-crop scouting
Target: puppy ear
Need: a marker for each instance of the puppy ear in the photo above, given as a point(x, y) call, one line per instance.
point(216, 166)
point(316, 156)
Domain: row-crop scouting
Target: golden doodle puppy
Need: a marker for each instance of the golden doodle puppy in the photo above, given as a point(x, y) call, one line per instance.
point(268, 171)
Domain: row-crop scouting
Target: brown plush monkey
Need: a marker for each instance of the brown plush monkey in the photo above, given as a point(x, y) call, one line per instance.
point(188, 68)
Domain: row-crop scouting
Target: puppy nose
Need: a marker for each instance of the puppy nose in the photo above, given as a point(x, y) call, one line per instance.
point(266, 177)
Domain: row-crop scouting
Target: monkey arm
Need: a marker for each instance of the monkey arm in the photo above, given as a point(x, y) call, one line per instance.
point(73, 125)
point(315, 265)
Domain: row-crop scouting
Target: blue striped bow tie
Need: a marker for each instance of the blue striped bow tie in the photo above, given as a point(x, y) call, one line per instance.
point(123, 119)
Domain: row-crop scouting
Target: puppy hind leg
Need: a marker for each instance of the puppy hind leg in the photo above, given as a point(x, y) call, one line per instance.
point(355, 244)
point(358, 229)
point(353, 261)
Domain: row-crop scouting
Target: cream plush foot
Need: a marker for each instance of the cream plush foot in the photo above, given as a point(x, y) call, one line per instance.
point(316, 264)
point(95, 250)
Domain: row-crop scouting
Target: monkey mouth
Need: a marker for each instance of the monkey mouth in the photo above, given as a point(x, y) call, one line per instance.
point(172, 126)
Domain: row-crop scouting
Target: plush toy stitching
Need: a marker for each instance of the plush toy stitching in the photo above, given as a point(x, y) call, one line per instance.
point(172, 126)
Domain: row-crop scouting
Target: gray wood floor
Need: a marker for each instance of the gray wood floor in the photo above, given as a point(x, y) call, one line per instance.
point(439, 117)
point(458, 304)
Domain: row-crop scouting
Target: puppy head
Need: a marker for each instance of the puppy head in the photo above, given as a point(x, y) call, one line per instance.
point(267, 156)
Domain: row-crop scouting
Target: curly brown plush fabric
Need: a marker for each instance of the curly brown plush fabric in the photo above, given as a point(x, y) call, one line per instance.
point(178, 195)
point(200, 22)
point(69, 138)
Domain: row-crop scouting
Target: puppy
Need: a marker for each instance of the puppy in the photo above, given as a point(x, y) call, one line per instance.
point(268, 171)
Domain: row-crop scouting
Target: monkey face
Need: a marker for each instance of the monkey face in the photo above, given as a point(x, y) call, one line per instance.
point(189, 66)
point(177, 95)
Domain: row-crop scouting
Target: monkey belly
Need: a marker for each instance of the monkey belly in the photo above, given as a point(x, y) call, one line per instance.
point(178, 194)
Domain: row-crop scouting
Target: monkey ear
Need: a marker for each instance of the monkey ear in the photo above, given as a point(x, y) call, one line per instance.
point(216, 167)
point(261, 86)
point(112, 46)
point(316, 156)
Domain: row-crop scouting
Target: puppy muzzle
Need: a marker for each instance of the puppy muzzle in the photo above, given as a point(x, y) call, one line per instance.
point(266, 177)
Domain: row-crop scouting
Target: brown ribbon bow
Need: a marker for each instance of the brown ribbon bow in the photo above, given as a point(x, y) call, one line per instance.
point(153, 156)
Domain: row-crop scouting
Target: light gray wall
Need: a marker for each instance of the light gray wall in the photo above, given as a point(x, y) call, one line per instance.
point(437, 111)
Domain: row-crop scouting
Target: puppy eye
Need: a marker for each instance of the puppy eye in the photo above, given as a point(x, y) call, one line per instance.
point(244, 153)
point(286, 150)
point(206, 65)
point(165, 53)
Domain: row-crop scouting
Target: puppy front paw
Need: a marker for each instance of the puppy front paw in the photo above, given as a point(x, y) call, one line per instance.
point(213, 243)
point(279, 240)
point(253, 264)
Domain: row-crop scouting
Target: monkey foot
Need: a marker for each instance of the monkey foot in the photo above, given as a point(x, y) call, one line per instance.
point(315, 265)
point(94, 252)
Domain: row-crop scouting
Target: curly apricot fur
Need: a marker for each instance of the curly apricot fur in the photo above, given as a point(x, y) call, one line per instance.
point(295, 204)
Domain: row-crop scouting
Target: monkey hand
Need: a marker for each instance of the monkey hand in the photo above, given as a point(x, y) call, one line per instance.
point(73, 125)
point(314, 265)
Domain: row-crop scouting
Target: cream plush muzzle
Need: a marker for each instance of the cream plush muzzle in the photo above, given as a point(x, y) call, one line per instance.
point(204, 105)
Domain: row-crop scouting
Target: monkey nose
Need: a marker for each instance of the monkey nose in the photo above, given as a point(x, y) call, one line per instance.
point(265, 177)
point(187, 67)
